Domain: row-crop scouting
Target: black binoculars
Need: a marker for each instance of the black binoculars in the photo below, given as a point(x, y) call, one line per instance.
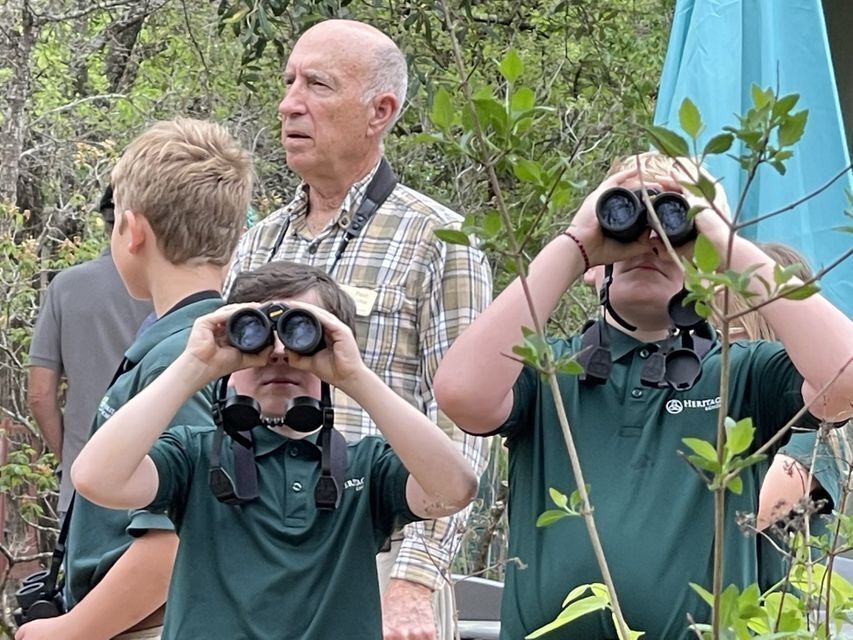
point(251, 330)
point(622, 214)
point(37, 600)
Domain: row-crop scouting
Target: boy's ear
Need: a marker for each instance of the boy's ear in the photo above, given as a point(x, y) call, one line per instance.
point(137, 230)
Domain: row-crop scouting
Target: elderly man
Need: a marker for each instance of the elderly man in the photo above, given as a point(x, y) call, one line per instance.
point(345, 86)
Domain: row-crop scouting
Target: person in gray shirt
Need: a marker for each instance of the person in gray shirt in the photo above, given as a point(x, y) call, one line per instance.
point(86, 322)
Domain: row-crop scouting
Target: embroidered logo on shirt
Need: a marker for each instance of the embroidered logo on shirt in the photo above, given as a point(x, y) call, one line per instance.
point(357, 483)
point(105, 409)
point(677, 406)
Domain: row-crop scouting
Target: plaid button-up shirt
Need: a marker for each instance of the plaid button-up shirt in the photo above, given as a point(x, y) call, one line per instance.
point(426, 292)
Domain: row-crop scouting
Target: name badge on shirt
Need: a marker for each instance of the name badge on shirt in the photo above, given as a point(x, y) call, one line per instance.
point(364, 298)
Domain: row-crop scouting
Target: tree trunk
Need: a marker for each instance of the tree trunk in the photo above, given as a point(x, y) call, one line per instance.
point(17, 36)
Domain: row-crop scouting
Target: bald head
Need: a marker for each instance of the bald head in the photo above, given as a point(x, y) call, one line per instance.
point(381, 66)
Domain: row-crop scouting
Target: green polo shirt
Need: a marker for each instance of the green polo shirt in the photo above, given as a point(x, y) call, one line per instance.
point(277, 567)
point(654, 514)
point(97, 537)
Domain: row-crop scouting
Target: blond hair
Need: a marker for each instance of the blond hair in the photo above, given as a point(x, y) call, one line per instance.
point(192, 181)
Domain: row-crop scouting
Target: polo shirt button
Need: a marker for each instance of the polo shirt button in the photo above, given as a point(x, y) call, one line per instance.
point(294, 452)
point(312, 249)
point(637, 393)
point(644, 353)
point(296, 486)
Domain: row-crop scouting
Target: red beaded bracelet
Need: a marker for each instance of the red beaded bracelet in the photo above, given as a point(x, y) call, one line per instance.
point(586, 264)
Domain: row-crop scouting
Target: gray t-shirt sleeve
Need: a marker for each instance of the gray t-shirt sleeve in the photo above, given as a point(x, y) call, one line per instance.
point(45, 348)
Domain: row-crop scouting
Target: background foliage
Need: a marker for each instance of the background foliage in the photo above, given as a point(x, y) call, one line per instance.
point(79, 79)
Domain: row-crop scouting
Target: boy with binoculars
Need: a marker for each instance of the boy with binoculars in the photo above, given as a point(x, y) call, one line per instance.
point(652, 378)
point(278, 525)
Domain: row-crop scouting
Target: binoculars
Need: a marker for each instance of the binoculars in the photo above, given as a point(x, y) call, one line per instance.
point(622, 215)
point(37, 600)
point(251, 330)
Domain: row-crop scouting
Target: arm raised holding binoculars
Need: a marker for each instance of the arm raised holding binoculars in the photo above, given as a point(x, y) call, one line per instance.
point(115, 471)
point(817, 336)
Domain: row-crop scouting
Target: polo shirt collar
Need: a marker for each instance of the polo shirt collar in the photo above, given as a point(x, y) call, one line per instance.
point(621, 344)
point(267, 441)
point(179, 318)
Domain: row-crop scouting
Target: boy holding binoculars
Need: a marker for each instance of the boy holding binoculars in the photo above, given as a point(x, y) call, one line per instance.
point(652, 378)
point(278, 564)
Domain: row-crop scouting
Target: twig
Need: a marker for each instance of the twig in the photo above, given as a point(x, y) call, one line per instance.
point(796, 203)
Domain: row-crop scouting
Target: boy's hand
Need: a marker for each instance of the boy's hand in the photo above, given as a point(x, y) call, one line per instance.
point(208, 348)
point(340, 363)
point(600, 248)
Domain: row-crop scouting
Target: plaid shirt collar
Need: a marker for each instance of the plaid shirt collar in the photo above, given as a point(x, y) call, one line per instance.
point(296, 215)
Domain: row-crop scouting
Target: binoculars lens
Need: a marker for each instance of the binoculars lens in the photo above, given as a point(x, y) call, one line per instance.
point(249, 331)
point(617, 211)
point(622, 215)
point(29, 593)
point(300, 332)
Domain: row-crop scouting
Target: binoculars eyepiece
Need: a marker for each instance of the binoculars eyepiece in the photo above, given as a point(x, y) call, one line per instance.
point(622, 215)
point(251, 330)
point(36, 600)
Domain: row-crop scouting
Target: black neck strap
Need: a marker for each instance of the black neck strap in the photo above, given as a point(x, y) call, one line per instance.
point(604, 298)
point(380, 187)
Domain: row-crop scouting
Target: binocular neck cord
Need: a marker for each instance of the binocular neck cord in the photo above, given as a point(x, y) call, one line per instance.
point(604, 299)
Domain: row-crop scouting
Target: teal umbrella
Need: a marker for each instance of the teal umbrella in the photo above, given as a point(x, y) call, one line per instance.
point(717, 50)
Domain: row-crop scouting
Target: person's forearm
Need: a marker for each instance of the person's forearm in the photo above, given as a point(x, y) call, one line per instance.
point(108, 469)
point(428, 454)
point(48, 417)
point(817, 337)
point(134, 588)
point(475, 378)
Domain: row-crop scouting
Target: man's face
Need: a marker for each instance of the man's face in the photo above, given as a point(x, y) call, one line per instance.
point(324, 120)
point(276, 383)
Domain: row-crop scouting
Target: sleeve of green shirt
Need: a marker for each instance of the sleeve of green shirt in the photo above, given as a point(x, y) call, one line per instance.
point(174, 457)
point(821, 453)
point(771, 385)
point(388, 479)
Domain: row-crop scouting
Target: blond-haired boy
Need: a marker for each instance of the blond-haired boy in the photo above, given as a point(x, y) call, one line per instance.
point(181, 191)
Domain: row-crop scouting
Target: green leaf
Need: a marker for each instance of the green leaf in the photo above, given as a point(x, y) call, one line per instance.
point(785, 104)
point(760, 98)
point(551, 516)
point(558, 498)
point(511, 67)
point(705, 255)
point(574, 611)
point(702, 448)
point(689, 118)
point(739, 436)
point(799, 292)
point(492, 224)
point(453, 236)
point(718, 144)
point(522, 100)
point(668, 142)
point(569, 367)
point(736, 485)
point(441, 114)
point(792, 128)
point(703, 593)
point(528, 171)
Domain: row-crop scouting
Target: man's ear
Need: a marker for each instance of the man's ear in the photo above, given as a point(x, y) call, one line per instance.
point(137, 229)
point(384, 107)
